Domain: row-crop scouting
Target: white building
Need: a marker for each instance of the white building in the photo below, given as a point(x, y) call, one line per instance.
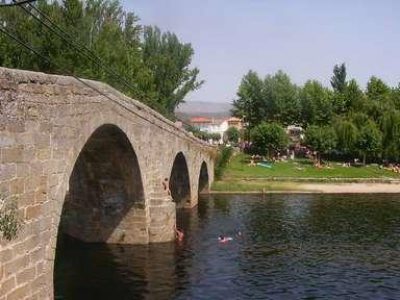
point(211, 125)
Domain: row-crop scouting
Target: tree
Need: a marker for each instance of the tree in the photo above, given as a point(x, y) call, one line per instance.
point(338, 80)
point(320, 139)
point(169, 63)
point(250, 105)
point(316, 104)
point(232, 134)
point(354, 98)
point(377, 90)
point(281, 99)
point(369, 140)
point(268, 138)
point(390, 126)
point(153, 68)
point(346, 133)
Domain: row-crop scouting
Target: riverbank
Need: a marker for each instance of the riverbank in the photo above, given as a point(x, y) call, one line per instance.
point(266, 187)
point(300, 176)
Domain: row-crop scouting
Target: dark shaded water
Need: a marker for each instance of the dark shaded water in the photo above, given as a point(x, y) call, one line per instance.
point(291, 247)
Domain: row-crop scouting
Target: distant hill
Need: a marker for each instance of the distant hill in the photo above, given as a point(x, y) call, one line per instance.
point(205, 109)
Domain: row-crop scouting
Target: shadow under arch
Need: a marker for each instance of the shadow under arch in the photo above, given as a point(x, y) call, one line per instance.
point(105, 187)
point(203, 178)
point(179, 182)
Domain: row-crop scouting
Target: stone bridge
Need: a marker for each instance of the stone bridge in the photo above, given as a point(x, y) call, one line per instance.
point(80, 158)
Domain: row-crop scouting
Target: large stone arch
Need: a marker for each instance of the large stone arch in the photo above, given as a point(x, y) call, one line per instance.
point(105, 186)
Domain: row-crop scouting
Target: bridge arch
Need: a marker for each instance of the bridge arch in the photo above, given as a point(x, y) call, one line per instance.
point(105, 186)
point(179, 181)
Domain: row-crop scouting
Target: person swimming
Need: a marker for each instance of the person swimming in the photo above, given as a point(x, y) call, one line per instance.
point(224, 239)
point(179, 234)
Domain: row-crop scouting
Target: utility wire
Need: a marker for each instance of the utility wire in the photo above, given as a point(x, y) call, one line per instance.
point(30, 48)
point(16, 3)
point(54, 28)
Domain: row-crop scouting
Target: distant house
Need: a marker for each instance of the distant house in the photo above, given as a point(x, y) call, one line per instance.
point(235, 122)
point(215, 125)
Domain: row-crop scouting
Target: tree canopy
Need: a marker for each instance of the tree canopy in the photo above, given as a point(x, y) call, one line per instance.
point(346, 118)
point(97, 39)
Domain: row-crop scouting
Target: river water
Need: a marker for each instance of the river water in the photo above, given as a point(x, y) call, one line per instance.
point(289, 247)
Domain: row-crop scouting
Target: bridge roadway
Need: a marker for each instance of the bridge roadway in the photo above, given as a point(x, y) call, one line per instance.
point(80, 158)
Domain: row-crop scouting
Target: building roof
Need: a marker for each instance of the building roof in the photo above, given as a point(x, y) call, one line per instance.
point(200, 120)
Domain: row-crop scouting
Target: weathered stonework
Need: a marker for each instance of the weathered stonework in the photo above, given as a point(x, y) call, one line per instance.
point(105, 157)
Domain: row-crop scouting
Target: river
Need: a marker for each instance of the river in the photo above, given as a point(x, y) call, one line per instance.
point(283, 247)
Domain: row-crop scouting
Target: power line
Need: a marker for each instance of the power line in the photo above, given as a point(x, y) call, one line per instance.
point(16, 3)
point(30, 48)
point(80, 48)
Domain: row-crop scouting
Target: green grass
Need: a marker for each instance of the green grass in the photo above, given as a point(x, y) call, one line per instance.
point(301, 168)
point(253, 186)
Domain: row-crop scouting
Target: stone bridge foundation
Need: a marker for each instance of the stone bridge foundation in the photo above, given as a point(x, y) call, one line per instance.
point(84, 160)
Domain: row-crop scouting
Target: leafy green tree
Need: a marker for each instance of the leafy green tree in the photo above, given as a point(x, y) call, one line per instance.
point(396, 97)
point(281, 99)
point(369, 140)
point(232, 134)
point(316, 104)
point(390, 126)
point(354, 98)
point(320, 139)
point(269, 138)
point(338, 80)
point(169, 63)
point(346, 133)
point(146, 64)
point(250, 104)
point(377, 90)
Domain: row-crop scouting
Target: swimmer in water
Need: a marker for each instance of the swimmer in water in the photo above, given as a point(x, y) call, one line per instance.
point(179, 234)
point(224, 239)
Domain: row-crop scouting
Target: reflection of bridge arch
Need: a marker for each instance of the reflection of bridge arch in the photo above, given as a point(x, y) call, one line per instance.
point(204, 184)
point(104, 157)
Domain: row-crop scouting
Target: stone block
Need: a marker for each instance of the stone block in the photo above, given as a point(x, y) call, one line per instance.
point(7, 286)
point(7, 171)
point(26, 275)
point(33, 212)
point(19, 293)
point(12, 155)
point(17, 186)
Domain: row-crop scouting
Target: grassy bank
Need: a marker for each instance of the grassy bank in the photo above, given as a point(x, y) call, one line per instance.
point(293, 175)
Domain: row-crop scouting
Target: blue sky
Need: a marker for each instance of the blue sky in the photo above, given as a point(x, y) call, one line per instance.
point(304, 38)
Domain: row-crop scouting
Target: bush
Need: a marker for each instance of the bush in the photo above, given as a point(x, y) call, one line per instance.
point(10, 224)
point(224, 155)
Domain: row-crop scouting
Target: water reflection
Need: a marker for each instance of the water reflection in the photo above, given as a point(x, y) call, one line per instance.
point(291, 247)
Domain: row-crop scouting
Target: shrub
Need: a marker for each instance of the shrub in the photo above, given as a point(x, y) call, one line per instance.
point(10, 224)
point(223, 157)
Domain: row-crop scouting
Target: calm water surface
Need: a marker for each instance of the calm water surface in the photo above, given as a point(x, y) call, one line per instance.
point(291, 247)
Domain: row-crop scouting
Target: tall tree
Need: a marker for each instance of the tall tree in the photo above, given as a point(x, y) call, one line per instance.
point(269, 138)
point(153, 67)
point(377, 90)
point(316, 104)
point(169, 62)
point(338, 80)
point(281, 99)
point(320, 139)
point(369, 140)
point(249, 104)
point(346, 133)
